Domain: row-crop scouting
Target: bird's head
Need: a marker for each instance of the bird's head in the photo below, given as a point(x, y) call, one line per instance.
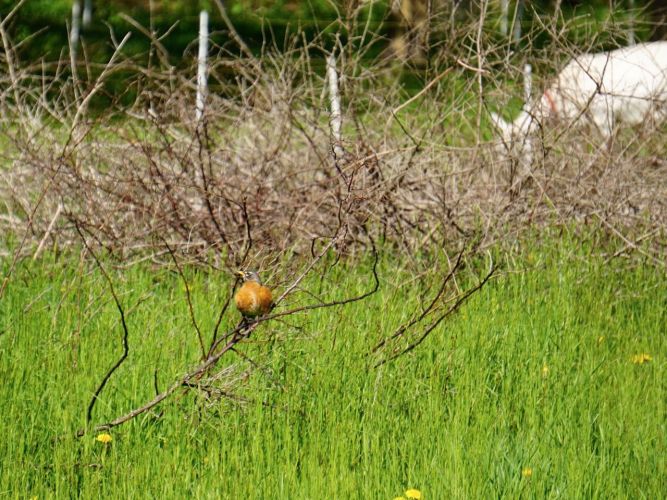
point(248, 275)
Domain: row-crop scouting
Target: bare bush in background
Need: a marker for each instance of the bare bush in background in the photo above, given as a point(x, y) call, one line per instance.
point(264, 175)
point(259, 169)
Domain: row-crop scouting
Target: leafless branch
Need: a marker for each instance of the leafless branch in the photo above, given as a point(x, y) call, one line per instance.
point(126, 345)
point(186, 285)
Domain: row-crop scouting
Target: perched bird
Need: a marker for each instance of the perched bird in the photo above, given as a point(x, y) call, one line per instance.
point(253, 298)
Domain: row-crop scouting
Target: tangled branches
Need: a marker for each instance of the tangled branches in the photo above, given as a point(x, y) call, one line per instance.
point(134, 174)
point(265, 170)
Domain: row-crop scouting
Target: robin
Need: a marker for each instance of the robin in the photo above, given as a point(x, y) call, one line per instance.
point(253, 298)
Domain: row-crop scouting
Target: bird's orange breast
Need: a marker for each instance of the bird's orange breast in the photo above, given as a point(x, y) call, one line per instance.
point(253, 299)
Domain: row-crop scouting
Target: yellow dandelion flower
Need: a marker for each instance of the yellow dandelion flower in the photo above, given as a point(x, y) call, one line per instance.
point(414, 494)
point(640, 359)
point(545, 370)
point(526, 472)
point(104, 438)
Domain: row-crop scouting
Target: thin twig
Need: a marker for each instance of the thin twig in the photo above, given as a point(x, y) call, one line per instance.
point(126, 346)
point(421, 92)
point(235, 335)
point(187, 296)
point(47, 233)
point(452, 309)
point(199, 370)
point(428, 310)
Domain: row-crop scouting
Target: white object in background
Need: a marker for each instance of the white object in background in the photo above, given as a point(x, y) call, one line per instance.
point(75, 30)
point(335, 122)
point(527, 82)
point(504, 12)
point(631, 28)
point(518, 18)
point(527, 97)
point(201, 64)
point(627, 85)
point(87, 13)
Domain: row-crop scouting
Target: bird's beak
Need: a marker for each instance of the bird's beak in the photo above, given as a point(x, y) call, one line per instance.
point(239, 273)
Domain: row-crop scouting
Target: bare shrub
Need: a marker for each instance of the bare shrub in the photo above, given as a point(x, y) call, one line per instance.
point(258, 178)
point(259, 169)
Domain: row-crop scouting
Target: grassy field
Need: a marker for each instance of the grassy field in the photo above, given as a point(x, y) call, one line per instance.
point(531, 390)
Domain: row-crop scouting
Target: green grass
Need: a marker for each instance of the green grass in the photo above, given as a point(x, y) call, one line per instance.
point(459, 417)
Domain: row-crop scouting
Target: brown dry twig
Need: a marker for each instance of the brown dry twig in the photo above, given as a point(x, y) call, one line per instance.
point(256, 182)
point(232, 337)
point(191, 310)
point(121, 312)
point(441, 307)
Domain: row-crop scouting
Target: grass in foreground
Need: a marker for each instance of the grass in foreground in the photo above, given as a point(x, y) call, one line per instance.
point(533, 390)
